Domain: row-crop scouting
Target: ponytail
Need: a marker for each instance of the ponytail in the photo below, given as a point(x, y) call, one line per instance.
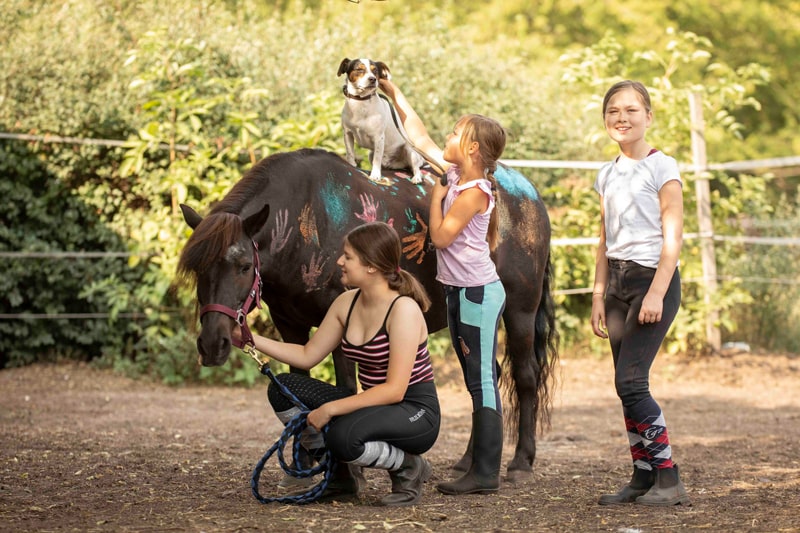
point(493, 233)
point(378, 246)
point(407, 285)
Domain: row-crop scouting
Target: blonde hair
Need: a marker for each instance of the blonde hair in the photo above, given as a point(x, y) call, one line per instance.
point(491, 139)
point(378, 245)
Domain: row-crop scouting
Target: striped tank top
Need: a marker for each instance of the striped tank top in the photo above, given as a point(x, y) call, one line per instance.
point(372, 357)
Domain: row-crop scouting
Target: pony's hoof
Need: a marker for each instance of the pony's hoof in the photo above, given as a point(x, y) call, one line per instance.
point(518, 476)
point(294, 484)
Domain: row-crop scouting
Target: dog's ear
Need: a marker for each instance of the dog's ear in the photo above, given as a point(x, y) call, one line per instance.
point(383, 71)
point(343, 67)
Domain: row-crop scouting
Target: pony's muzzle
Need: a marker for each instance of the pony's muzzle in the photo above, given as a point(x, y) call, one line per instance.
point(213, 349)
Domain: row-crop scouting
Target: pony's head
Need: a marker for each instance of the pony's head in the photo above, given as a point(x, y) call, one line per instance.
point(219, 260)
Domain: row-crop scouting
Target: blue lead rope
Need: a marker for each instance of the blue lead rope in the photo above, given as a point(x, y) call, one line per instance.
point(293, 430)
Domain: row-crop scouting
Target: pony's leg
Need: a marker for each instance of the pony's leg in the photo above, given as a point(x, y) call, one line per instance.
point(522, 390)
point(345, 370)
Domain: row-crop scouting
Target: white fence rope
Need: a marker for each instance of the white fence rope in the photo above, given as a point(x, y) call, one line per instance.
point(58, 139)
point(735, 166)
point(567, 241)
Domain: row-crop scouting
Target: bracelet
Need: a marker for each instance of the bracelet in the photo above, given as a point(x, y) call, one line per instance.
point(598, 293)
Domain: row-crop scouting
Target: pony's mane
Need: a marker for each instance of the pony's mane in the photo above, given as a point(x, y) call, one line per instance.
point(255, 180)
point(208, 244)
point(223, 225)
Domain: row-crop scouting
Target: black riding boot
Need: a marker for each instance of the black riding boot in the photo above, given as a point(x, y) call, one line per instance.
point(667, 490)
point(640, 483)
point(466, 460)
point(483, 475)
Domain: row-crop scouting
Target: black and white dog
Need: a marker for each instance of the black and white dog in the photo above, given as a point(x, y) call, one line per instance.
point(367, 120)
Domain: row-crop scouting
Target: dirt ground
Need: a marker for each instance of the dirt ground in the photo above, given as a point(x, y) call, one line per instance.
point(86, 450)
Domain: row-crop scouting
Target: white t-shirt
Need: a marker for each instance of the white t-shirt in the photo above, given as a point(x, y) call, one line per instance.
point(633, 213)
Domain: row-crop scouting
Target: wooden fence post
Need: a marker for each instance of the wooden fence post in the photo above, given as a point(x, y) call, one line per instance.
point(705, 226)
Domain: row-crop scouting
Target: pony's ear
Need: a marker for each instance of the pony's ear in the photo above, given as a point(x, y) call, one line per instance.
point(254, 223)
point(190, 216)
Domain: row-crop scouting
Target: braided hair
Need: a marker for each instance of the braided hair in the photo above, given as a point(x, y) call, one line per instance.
point(491, 139)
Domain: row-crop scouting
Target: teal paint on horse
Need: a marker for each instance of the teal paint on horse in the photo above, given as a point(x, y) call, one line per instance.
point(336, 199)
point(515, 183)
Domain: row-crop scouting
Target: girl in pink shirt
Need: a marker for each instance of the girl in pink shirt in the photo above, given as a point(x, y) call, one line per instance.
point(463, 228)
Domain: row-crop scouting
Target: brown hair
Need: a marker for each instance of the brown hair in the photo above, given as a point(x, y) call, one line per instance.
point(491, 139)
point(627, 84)
point(378, 245)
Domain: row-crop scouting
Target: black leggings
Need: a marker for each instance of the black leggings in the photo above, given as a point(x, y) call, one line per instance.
point(634, 346)
point(411, 425)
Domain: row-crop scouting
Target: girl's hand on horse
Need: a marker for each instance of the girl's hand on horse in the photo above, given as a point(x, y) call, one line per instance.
point(236, 332)
point(439, 192)
point(319, 418)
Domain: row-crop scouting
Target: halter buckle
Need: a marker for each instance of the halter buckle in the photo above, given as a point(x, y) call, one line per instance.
point(250, 350)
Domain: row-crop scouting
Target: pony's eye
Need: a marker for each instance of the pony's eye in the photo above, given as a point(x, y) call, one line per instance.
point(245, 269)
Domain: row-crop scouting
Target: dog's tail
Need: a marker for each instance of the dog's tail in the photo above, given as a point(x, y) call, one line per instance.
point(435, 167)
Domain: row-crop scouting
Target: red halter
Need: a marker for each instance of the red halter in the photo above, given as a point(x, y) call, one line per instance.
point(240, 315)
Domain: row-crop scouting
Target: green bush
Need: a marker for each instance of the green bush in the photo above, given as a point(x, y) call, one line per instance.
point(40, 214)
point(235, 81)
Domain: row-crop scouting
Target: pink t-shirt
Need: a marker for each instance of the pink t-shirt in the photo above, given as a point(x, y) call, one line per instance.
point(467, 261)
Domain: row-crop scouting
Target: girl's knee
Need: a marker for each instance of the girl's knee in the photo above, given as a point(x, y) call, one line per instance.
point(631, 392)
point(342, 445)
point(277, 399)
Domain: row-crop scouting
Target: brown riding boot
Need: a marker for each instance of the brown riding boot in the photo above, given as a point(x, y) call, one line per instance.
point(667, 490)
point(407, 481)
point(346, 481)
point(640, 483)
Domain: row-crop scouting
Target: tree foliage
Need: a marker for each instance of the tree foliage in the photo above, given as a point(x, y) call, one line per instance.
point(201, 90)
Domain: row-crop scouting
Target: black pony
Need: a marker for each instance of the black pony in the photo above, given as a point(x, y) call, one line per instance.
point(296, 208)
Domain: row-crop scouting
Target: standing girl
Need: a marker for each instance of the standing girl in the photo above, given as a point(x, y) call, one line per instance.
point(637, 288)
point(463, 228)
point(380, 326)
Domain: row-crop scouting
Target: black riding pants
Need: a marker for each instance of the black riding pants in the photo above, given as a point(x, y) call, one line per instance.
point(411, 425)
point(634, 346)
